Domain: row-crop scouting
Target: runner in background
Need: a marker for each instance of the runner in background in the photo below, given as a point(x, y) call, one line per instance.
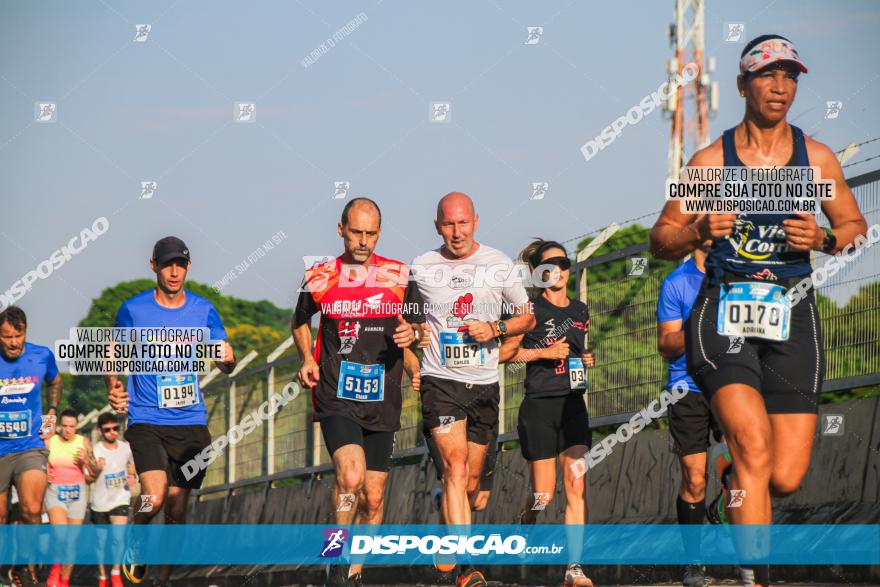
point(110, 496)
point(766, 395)
point(370, 312)
point(167, 418)
point(553, 423)
point(459, 373)
point(690, 419)
point(70, 457)
point(24, 368)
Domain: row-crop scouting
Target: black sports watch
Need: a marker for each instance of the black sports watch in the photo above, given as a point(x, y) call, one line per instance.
point(502, 328)
point(830, 242)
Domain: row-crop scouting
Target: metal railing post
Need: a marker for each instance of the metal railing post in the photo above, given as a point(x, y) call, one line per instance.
point(502, 368)
point(269, 430)
point(231, 419)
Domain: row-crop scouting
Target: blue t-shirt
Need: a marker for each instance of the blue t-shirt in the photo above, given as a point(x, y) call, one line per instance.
point(142, 311)
point(677, 296)
point(21, 403)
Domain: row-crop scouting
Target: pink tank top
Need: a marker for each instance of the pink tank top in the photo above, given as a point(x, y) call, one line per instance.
point(62, 470)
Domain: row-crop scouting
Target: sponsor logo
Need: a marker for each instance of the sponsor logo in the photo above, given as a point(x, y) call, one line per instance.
point(349, 331)
point(764, 275)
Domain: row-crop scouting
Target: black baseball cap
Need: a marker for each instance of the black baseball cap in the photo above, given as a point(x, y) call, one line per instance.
point(169, 248)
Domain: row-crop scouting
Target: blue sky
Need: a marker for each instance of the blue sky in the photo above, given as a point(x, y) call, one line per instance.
point(162, 110)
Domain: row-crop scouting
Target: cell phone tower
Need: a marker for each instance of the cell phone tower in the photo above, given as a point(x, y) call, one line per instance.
point(691, 102)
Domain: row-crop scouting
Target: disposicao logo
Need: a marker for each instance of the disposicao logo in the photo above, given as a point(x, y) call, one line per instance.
point(334, 542)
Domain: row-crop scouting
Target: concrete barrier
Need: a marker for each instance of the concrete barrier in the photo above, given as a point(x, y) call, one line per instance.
point(637, 483)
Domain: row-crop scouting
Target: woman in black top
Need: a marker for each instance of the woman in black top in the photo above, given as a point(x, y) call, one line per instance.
point(553, 422)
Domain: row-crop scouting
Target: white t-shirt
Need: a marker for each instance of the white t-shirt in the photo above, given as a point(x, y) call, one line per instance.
point(456, 291)
point(110, 489)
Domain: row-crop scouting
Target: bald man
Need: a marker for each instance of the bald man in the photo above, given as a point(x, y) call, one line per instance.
point(369, 314)
point(466, 286)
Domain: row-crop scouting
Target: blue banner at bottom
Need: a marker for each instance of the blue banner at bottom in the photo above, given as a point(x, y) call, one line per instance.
point(421, 544)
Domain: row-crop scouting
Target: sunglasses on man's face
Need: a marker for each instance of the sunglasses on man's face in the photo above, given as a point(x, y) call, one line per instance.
point(563, 263)
point(110, 429)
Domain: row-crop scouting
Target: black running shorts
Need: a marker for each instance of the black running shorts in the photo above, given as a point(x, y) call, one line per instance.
point(788, 374)
point(445, 402)
point(339, 431)
point(690, 423)
point(548, 426)
point(168, 448)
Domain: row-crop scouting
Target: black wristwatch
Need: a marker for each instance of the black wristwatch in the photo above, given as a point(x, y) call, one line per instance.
point(502, 328)
point(830, 242)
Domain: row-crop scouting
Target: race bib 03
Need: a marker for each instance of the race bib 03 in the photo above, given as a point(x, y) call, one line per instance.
point(577, 374)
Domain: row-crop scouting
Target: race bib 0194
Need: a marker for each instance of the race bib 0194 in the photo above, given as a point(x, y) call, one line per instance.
point(759, 310)
point(577, 374)
point(177, 391)
point(15, 424)
point(458, 349)
point(361, 383)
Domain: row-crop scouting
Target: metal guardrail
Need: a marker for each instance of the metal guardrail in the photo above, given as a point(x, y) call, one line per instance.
point(628, 374)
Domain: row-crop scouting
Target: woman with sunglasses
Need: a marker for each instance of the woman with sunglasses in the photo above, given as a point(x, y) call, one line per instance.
point(553, 423)
point(111, 492)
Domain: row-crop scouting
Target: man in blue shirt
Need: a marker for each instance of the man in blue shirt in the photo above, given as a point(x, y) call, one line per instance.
point(24, 367)
point(690, 419)
point(166, 430)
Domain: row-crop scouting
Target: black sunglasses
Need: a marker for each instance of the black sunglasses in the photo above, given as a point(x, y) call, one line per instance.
point(563, 263)
point(110, 429)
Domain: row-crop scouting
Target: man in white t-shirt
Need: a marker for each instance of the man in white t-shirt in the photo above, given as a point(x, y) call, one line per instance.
point(110, 497)
point(466, 286)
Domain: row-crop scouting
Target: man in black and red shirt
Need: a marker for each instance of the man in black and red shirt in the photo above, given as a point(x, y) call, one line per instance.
point(369, 314)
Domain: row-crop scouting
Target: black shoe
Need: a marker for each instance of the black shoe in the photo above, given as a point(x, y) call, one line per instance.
point(693, 576)
point(22, 578)
point(337, 576)
point(355, 580)
point(443, 577)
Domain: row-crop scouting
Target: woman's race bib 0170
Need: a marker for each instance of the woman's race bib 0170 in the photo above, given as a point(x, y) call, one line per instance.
point(458, 349)
point(759, 310)
point(361, 383)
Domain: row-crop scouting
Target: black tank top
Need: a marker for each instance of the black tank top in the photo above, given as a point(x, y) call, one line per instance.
point(757, 245)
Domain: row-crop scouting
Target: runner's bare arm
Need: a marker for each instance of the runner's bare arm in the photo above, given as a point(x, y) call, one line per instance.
point(89, 458)
point(116, 394)
point(676, 234)
point(510, 349)
point(523, 320)
point(227, 366)
point(847, 222)
point(309, 372)
point(670, 339)
point(56, 387)
point(412, 368)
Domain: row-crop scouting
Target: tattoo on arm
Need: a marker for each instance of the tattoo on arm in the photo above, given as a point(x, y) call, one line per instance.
point(55, 389)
